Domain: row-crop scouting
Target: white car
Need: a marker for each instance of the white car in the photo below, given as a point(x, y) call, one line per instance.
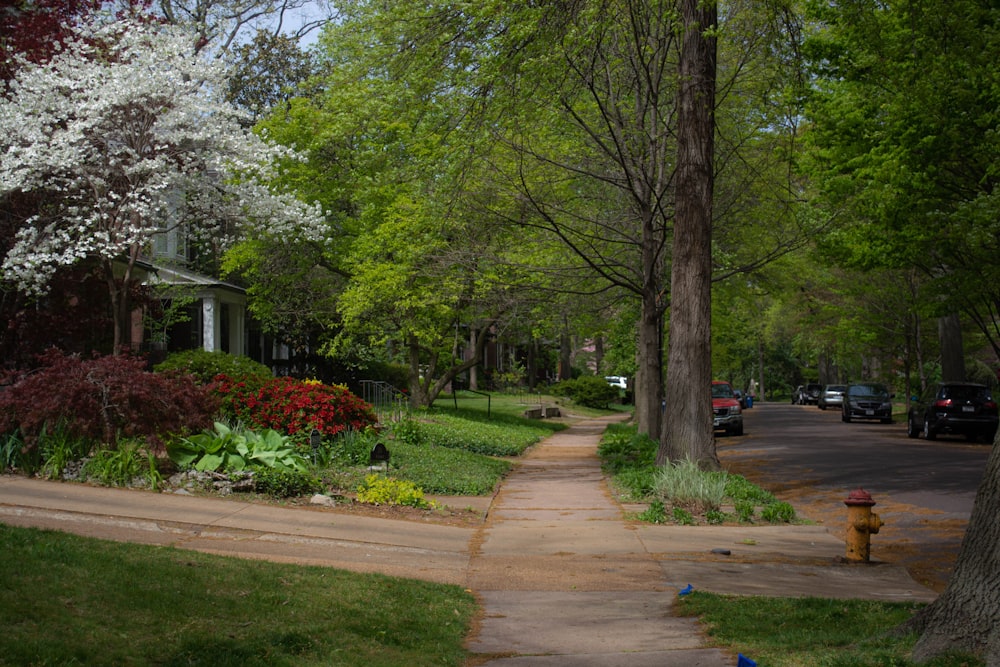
point(617, 381)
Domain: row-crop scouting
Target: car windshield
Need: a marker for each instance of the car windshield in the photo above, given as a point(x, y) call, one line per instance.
point(836, 388)
point(872, 390)
point(966, 393)
point(722, 391)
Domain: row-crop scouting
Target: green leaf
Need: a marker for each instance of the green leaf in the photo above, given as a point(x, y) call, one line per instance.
point(210, 462)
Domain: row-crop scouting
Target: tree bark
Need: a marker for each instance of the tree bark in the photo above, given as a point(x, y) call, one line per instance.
point(966, 616)
point(474, 370)
point(649, 369)
point(952, 350)
point(565, 356)
point(121, 304)
point(687, 431)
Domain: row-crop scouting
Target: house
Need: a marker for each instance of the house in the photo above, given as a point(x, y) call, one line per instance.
point(201, 311)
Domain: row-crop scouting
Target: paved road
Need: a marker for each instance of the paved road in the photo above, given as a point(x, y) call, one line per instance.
point(924, 490)
point(803, 442)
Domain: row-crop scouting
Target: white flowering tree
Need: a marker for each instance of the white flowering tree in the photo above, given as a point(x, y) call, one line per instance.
point(125, 133)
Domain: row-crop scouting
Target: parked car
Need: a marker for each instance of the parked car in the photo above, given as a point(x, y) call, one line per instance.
point(807, 394)
point(832, 396)
point(727, 413)
point(867, 400)
point(619, 381)
point(742, 398)
point(955, 408)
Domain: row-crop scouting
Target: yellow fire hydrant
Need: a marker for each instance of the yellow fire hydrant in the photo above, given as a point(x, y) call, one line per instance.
point(861, 523)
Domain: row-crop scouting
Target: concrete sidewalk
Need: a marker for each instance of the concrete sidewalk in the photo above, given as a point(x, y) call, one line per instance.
point(563, 578)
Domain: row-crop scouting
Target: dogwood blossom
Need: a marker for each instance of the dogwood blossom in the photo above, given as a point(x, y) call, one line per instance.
point(124, 133)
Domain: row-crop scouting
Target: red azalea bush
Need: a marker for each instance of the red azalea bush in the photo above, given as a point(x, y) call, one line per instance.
point(103, 398)
point(291, 406)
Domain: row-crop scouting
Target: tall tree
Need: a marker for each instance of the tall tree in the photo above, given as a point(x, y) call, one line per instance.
point(123, 135)
point(591, 126)
point(266, 72)
point(416, 270)
point(688, 433)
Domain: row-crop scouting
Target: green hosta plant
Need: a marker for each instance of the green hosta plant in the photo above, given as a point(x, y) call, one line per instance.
point(228, 448)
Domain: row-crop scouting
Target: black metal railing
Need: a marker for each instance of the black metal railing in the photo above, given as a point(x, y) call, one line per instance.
point(390, 404)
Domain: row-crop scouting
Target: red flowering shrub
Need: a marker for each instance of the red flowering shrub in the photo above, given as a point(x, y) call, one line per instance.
point(104, 398)
point(291, 406)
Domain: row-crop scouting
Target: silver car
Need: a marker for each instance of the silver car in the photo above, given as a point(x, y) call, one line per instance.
point(832, 396)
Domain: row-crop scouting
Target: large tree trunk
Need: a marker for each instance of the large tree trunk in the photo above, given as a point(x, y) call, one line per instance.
point(966, 617)
point(121, 304)
point(687, 430)
point(565, 355)
point(952, 349)
point(474, 371)
point(648, 388)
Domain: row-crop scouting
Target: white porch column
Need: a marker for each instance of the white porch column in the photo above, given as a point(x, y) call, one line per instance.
point(237, 331)
point(210, 327)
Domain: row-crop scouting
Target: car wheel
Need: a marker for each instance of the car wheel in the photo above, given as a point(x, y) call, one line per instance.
point(911, 427)
point(821, 406)
point(929, 433)
point(844, 416)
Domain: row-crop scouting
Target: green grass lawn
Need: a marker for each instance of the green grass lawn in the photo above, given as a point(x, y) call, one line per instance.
point(812, 632)
point(69, 600)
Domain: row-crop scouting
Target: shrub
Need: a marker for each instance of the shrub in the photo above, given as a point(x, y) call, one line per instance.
point(291, 406)
point(285, 483)
point(103, 398)
point(387, 491)
point(206, 366)
point(589, 391)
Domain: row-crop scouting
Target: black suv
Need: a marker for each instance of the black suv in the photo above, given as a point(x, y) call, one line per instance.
point(867, 400)
point(959, 408)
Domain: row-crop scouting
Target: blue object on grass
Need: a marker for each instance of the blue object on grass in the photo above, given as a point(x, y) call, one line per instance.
point(745, 661)
point(687, 589)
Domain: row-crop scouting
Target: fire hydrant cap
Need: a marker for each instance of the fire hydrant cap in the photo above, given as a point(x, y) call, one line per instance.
point(859, 497)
